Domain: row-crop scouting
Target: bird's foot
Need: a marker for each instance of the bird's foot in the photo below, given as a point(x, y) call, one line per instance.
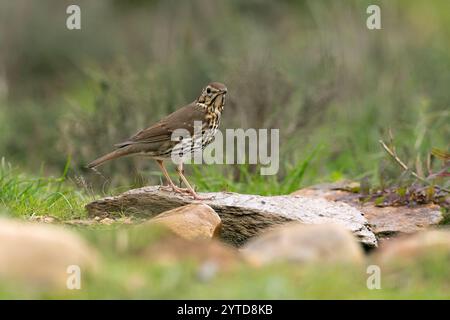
point(175, 189)
point(184, 191)
point(181, 190)
point(197, 197)
point(165, 188)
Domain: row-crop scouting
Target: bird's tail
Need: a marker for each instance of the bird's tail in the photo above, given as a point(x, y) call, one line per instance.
point(110, 156)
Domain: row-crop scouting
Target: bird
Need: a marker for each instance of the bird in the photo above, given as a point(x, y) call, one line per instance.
point(156, 142)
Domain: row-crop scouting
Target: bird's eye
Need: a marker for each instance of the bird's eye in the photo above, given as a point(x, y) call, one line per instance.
point(208, 90)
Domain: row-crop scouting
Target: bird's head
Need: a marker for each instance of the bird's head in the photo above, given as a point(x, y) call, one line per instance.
point(214, 94)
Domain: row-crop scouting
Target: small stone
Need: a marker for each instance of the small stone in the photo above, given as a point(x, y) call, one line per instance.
point(192, 222)
point(107, 221)
point(409, 249)
point(211, 255)
point(302, 243)
point(81, 222)
point(39, 256)
point(43, 219)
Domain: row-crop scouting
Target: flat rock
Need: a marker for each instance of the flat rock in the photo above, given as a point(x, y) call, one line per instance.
point(243, 216)
point(194, 221)
point(39, 255)
point(387, 221)
point(302, 243)
point(384, 221)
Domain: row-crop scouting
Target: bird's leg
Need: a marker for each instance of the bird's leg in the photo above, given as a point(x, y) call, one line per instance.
point(190, 189)
point(166, 175)
point(180, 181)
point(171, 185)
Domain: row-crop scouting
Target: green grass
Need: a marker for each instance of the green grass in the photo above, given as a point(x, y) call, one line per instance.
point(249, 180)
point(26, 196)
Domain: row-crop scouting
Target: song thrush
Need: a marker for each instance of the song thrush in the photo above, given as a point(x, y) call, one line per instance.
point(156, 141)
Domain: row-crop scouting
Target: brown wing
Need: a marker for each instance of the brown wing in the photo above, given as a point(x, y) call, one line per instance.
point(161, 131)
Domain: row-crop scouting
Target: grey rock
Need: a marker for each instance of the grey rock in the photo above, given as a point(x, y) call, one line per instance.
point(243, 216)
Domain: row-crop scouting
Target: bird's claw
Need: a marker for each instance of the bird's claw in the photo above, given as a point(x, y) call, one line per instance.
point(185, 191)
point(197, 197)
point(174, 189)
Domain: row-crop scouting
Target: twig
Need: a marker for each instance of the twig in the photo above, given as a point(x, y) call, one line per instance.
point(405, 167)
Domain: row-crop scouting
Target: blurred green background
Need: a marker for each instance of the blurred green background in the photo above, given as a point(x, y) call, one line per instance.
point(310, 68)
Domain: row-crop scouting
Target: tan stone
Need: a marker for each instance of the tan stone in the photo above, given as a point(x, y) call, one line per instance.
point(38, 255)
point(302, 243)
point(107, 221)
point(192, 222)
point(173, 249)
point(409, 249)
point(81, 222)
point(43, 219)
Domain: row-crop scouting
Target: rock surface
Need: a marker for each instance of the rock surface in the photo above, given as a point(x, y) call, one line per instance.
point(301, 243)
point(243, 216)
point(195, 221)
point(339, 191)
point(388, 221)
point(384, 221)
point(38, 255)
